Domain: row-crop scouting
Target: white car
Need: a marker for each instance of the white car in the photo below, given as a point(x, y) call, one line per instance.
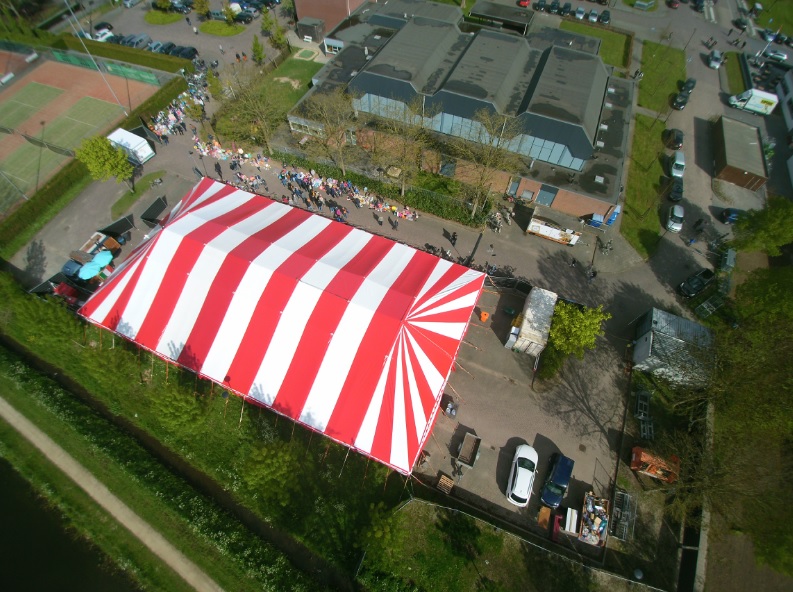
point(593, 16)
point(580, 13)
point(103, 35)
point(521, 476)
point(674, 220)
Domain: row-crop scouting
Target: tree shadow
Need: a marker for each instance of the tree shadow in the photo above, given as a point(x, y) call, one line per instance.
point(36, 260)
point(461, 534)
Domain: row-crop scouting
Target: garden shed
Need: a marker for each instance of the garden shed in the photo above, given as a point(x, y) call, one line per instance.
point(672, 347)
point(738, 154)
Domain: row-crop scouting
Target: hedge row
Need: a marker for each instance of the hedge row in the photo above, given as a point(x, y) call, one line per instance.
point(446, 207)
point(111, 51)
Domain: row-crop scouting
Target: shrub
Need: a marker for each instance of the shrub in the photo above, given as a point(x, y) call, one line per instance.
point(111, 51)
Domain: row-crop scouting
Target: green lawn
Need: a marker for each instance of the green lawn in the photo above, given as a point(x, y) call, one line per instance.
point(126, 201)
point(221, 29)
point(664, 67)
point(614, 47)
point(734, 73)
point(643, 209)
point(776, 14)
point(158, 17)
point(631, 3)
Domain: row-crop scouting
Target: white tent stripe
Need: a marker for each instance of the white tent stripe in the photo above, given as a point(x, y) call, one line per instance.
point(365, 436)
point(464, 301)
point(301, 305)
point(431, 374)
point(440, 269)
point(451, 330)
point(347, 338)
point(419, 419)
point(399, 440)
point(246, 297)
point(464, 280)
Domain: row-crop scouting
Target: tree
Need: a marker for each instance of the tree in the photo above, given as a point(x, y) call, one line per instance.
point(767, 293)
point(257, 50)
point(288, 6)
point(574, 328)
point(405, 140)
point(767, 229)
point(332, 112)
point(201, 7)
point(163, 5)
point(267, 24)
point(229, 14)
point(485, 148)
point(278, 38)
point(104, 160)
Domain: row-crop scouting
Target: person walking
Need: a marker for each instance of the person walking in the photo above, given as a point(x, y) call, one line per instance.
point(244, 57)
point(195, 30)
point(165, 139)
point(453, 239)
point(238, 57)
point(188, 21)
point(220, 47)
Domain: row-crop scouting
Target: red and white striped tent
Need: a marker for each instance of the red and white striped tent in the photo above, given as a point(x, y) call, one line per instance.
point(346, 332)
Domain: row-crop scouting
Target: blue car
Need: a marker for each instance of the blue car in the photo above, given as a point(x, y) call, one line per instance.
point(560, 472)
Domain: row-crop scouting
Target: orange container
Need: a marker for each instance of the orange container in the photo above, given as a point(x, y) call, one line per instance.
point(483, 316)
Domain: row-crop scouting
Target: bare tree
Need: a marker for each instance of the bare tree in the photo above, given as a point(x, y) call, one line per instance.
point(484, 145)
point(405, 137)
point(334, 117)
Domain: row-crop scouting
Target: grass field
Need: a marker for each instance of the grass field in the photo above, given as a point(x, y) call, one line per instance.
point(734, 73)
point(643, 209)
point(221, 28)
point(31, 165)
point(776, 14)
point(126, 201)
point(614, 47)
point(158, 17)
point(663, 68)
point(26, 102)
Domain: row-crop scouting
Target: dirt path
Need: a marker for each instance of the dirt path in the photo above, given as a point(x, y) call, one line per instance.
point(189, 571)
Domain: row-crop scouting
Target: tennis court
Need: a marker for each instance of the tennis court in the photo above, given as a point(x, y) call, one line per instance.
point(47, 112)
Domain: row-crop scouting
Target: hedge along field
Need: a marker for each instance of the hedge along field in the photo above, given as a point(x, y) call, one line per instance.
point(296, 480)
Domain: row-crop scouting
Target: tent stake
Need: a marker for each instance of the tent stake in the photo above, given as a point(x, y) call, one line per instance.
point(344, 463)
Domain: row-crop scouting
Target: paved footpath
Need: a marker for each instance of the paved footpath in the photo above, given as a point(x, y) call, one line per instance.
point(188, 570)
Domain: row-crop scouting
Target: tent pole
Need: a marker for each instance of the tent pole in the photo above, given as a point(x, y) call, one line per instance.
point(344, 463)
point(167, 366)
point(241, 410)
point(310, 436)
point(324, 456)
point(455, 391)
point(385, 482)
point(365, 471)
point(463, 369)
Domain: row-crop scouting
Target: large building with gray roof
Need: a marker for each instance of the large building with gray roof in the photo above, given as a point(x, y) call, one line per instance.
point(411, 56)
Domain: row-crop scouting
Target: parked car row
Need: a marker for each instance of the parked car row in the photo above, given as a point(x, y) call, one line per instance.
point(143, 41)
point(566, 9)
point(524, 469)
point(180, 6)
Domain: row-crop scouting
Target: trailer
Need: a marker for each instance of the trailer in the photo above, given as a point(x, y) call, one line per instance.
point(530, 336)
point(468, 451)
point(137, 149)
point(552, 231)
point(594, 520)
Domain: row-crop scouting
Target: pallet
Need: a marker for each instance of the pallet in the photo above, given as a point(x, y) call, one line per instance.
point(445, 484)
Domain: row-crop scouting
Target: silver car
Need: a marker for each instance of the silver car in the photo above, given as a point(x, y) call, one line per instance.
point(674, 220)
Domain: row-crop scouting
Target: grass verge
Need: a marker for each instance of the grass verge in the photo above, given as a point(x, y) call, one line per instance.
point(663, 68)
point(632, 3)
point(642, 221)
point(220, 28)
point(126, 201)
point(614, 47)
point(734, 73)
point(209, 536)
point(158, 17)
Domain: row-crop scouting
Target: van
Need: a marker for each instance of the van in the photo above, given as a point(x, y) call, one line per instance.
point(715, 59)
point(141, 41)
point(560, 472)
point(131, 3)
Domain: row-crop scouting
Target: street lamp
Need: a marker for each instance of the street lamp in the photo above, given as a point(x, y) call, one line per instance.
point(91, 18)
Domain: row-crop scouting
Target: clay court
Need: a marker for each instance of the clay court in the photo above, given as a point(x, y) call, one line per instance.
point(59, 104)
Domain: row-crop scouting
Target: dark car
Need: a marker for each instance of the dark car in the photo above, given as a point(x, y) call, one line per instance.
point(243, 17)
point(673, 3)
point(540, 6)
point(741, 23)
point(673, 138)
point(605, 18)
point(217, 15)
point(180, 8)
point(115, 39)
point(554, 8)
point(689, 85)
point(675, 189)
point(188, 53)
point(696, 283)
point(729, 215)
point(103, 26)
point(781, 39)
point(681, 100)
point(560, 471)
point(566, 9)
point(128, 41)
point(176, 50)
point(167, 47)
